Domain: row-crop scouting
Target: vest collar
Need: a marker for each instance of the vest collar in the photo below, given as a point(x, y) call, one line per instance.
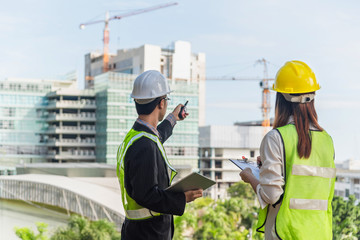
point(143, 128)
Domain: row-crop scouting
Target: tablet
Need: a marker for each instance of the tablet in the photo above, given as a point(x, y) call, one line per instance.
point(192, 181)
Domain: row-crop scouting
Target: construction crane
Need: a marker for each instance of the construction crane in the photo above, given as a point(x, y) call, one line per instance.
point(264, 84)
point(106, 28)
point(265, 106)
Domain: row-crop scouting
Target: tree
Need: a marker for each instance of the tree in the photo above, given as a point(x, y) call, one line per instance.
point(27, 234)
point(241, 190)
point(81, 228)
point(346, 218)
point(78, 228)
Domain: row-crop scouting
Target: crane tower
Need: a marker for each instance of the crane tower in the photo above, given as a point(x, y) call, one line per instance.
point(106, 29)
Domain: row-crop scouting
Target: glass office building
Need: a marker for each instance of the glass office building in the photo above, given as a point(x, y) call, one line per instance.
point(116, 114)
point(23, 114)
point(21, 121)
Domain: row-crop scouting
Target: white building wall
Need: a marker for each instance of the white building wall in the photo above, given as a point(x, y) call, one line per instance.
point(348, 179)
point(152, 56)
point(247, 137)
point(181, 60)
point(222, 143)
point(198, 73)
point(138, 61)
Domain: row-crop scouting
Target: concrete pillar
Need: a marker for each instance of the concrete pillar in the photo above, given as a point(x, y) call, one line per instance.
point(212, 163)
point(352, 186)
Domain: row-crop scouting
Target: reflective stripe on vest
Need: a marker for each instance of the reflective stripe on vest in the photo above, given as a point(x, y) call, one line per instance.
point(141, 213)
point(304, 170)
point(133, 210)
point(305, 211)
point(308, 204)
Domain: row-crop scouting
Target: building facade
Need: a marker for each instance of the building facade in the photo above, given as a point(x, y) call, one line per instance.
point(116, 115)
point(218, 144)
point(45, 120)
point(348, 179)
point(176, 62)
point(70, 133)
point(22, 119)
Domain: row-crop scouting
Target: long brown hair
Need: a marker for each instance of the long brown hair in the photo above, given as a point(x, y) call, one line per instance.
point(304, 115)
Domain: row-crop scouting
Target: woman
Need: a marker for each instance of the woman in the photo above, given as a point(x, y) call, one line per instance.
point(297, 174)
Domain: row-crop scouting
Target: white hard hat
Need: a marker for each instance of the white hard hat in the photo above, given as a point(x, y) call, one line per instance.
point(150, 85)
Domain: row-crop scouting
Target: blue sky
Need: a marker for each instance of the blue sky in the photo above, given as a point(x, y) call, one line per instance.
point(42, 39)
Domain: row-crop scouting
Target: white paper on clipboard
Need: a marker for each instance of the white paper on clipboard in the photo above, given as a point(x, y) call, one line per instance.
point(242, 165)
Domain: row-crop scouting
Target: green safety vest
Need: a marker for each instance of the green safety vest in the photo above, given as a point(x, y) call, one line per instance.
point(305, 211)
point(133, 210)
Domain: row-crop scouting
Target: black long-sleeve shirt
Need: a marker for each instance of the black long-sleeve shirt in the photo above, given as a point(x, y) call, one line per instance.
point(146, 177)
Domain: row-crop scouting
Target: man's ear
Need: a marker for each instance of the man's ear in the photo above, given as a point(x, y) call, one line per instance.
point(161, 104)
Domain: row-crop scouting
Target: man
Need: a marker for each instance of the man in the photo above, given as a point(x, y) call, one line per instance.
point(143, 168)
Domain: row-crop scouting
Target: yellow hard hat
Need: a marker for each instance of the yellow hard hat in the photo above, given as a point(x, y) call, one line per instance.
point(295, 77)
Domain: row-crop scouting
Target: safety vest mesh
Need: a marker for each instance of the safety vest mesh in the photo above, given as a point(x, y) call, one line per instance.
point(305, 211)
point(133, 210)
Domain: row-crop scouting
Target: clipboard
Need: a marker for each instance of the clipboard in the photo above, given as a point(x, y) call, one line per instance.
point(243, 164)
point(191, 182)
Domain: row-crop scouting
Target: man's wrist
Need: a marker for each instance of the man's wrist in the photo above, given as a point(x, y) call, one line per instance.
point(171, 118)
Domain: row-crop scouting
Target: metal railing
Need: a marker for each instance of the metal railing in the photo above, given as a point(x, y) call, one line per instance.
point(34, 192)
point(81, 102)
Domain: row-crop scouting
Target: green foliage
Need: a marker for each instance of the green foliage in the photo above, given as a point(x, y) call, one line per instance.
point(224, 219)
point(27, 234)
point(236, 218)
point(346, 218)
point(78, 228)
point(241, 190)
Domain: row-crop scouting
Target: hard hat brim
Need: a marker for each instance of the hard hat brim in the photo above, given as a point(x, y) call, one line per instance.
point(148, 97)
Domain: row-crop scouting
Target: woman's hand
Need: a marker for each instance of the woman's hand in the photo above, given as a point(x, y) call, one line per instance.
point(247, 175)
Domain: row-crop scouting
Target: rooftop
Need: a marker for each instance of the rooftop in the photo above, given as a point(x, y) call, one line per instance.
point(103, 191)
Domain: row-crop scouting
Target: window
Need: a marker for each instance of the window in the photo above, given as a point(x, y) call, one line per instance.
point(207, 174)
point(218, 175)
point(218, 164)
point(206, 163)
point(252, 153)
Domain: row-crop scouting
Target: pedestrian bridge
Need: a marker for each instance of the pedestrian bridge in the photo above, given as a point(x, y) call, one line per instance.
point(94, 198)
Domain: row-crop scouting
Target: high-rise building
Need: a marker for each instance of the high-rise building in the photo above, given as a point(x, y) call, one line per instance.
point(53, 121)
point(22, 118)
point(116, 115)
point(70, 135)
point(176, 62)
point(348, 179)
point(218, 144)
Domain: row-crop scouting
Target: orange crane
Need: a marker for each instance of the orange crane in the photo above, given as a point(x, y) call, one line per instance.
point(264, 84)
point(106, 29)
point(265, 106)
